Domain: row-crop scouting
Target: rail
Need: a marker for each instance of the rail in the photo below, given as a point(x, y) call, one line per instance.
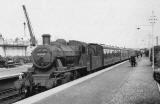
point(9, 96)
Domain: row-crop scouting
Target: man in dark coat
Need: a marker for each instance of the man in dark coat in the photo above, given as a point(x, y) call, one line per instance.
point(133, 61)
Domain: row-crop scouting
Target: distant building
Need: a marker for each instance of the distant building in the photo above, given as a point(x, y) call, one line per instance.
point(17, 47)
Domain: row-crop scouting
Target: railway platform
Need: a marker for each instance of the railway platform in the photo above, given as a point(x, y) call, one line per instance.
point(119, 84)
point(6, 73)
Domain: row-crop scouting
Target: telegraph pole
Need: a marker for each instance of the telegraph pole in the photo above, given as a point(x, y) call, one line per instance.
point(149, 44)
point(157, 40)
point(153, 20)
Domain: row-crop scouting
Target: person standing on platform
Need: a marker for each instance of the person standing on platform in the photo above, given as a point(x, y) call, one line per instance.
point(133, 61)
point(141, 54)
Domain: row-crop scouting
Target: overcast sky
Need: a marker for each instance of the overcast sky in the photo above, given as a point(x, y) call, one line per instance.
point(111, 22)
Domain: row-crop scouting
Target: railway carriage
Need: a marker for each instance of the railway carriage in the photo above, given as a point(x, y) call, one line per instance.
point(111, 55)
point(125, 54)
point(156, 72)
point(156, 56)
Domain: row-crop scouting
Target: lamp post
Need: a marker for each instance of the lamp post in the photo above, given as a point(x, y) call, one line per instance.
point(138, 28)
point(153, 20)
point(157, 40)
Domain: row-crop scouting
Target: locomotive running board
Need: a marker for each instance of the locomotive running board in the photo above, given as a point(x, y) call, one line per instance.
point(74, 68)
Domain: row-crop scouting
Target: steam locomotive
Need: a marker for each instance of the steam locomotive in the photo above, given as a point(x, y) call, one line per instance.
point(58, 62)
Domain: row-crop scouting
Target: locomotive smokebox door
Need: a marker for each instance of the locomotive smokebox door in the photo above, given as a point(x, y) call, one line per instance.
point(46, 39)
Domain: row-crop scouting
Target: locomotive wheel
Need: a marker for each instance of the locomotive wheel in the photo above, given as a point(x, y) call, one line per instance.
point(67, 78)
point(25, 91)
point(21, 61)
point(76, 75)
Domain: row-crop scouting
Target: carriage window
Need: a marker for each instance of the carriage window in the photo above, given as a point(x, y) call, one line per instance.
point(98, 49)
point(83, 49)
point(105, 51)
point(110, 51)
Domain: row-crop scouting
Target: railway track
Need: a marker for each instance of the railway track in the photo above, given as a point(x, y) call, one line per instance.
point(9, 96)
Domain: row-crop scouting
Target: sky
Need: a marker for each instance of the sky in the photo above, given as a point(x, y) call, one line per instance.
point(110, 22)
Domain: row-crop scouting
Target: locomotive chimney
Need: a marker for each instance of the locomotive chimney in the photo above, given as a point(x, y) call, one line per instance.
point(46, 39)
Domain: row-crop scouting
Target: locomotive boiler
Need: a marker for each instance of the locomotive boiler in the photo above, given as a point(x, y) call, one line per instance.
point(56, 53)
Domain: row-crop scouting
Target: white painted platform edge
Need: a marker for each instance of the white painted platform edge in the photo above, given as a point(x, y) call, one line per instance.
point(156, 82)
point(13, 69)
point(43, 95)
point(158, 86)
point(9, 76)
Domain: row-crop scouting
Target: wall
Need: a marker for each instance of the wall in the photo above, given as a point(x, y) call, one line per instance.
point(13, 48)
point(15, 51)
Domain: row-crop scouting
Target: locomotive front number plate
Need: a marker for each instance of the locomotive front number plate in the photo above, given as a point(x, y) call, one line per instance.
point(41, 52)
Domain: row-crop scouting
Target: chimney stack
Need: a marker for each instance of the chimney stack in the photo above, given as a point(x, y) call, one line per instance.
point(46, 39)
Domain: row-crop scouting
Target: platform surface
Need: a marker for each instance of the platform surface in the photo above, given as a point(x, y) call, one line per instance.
point(13, 72)
point(121, 85)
